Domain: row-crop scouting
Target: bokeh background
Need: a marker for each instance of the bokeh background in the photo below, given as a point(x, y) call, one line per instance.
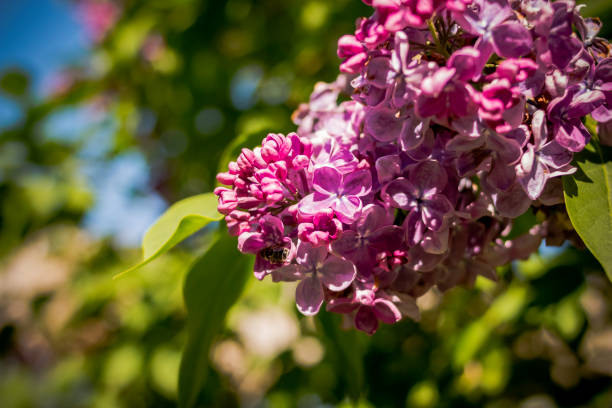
point(111, 111)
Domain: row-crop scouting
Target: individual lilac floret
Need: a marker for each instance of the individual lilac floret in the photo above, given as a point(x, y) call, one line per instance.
point(340, 192)
point(370, 235)
point(543, 159)
point(497, 29)
point(566, 112)
point(421, 196)
point(317, 269)
point(321, 230)
point(269, 234)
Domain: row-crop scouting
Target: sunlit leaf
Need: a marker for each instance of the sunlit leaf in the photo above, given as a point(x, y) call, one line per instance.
point(179, 222)
point(588, 198)
point(212, 286)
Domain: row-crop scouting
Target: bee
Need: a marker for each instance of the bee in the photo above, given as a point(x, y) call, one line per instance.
point(275, 255)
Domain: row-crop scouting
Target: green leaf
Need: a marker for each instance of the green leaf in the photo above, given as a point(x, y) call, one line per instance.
point(345, 348)
point(212, 286)
point(182, 219)
point(14, 82)
point(588, 198)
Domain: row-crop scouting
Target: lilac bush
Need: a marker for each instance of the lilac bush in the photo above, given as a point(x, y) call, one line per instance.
point(463, 116)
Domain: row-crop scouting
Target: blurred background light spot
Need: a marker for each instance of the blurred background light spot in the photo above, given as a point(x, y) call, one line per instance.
point(10, 113)
point(275, 90)
point(123, 366)
point(164, 370)
point(238, 10)
point(244, 86)
point(314, 15)
point(423, 395)
point(209, 121)
point(174, 142)
point(146, 123)
point(268, 331)
point(235, 42)
point(307, 351)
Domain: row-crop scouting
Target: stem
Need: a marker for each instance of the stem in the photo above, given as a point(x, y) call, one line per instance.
point(434, 33)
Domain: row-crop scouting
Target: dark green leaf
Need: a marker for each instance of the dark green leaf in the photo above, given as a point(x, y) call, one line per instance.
point(588, 198)
point(14, 82)
point(180, 221)
point(212, 286)
point(345, 349)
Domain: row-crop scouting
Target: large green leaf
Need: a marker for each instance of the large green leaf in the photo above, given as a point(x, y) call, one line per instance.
point(588, 198)
point(346, 350)
point(212, 286)
point(182, 219)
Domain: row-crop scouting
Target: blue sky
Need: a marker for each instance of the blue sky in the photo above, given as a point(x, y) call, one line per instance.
point(41, 37)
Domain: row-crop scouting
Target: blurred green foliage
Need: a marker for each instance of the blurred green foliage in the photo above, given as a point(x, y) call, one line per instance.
point(186, 83)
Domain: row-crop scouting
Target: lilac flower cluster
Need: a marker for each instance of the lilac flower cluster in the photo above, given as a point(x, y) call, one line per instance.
point(464, 115)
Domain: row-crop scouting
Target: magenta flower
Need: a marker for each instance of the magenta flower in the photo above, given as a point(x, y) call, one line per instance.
point(492, 21)
point(340, 192)
point(323, 228)
point(565, 112)
point(371, 235)
point(421, 196)
point(446, 93)
point(543, 159)
point(317, 269)
point(269, 234)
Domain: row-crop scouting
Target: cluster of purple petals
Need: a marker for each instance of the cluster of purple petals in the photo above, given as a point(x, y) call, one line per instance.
point(464, 115)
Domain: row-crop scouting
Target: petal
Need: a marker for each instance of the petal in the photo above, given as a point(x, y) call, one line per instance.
point(512, 40)
point(389, 237)
point(288, 273)
point(372, 218)
point(414, 228)
point(572, 135)
point(465, 61)
point(358, 183)
point(309, 296)
point(272, 228)
point(539, 128)
point(534, 181)
point(347, 208)
point(555, 156)
point(407, 306)
point(388, 167)
point(435, 242)
point(365, 320)
point(383, 125)
point(314, 203)
point(434, 210)
point(326, 180)
point(347, 244)
point(341, 305)
point(501, 175)
point(251, 242)
point(511, 203)
point(386, 311)
point(413, 132)
point(585, 103)
point(399, 193)
point(309, 256)
point(337, 274)
point(429, 176)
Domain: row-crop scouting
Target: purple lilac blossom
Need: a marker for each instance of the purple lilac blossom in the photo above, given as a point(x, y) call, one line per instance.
point(464, 115)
